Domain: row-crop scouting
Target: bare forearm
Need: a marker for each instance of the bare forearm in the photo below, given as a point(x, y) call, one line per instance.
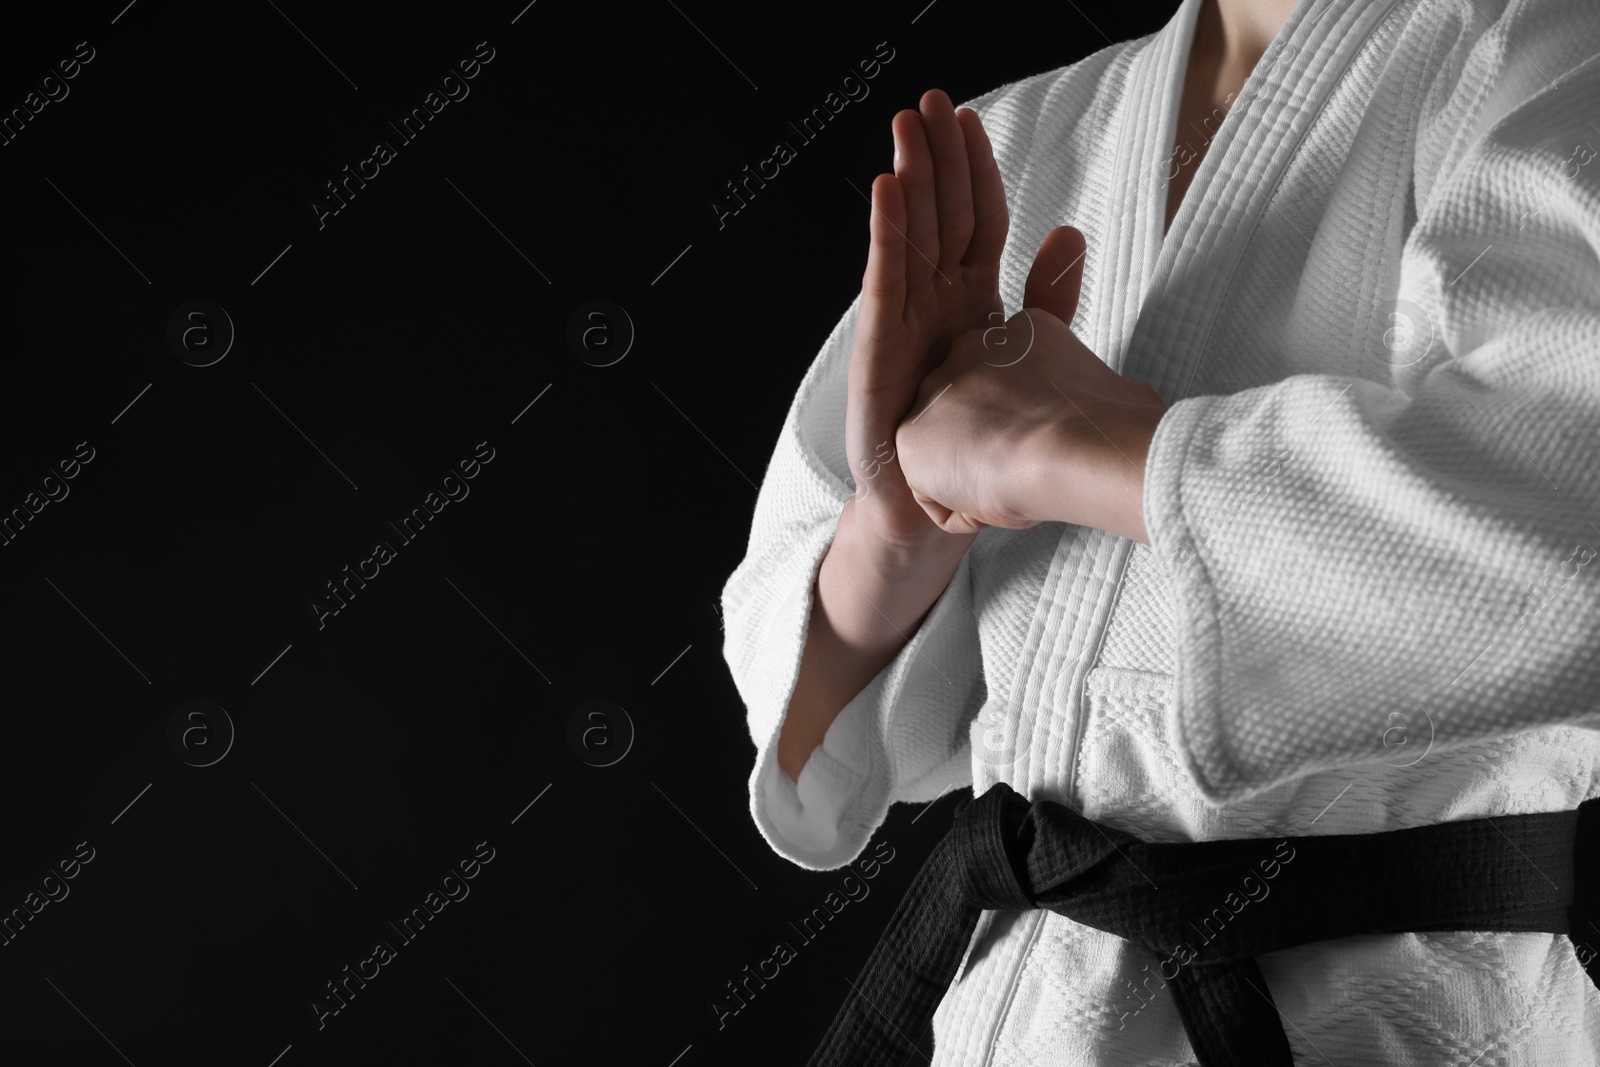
point(1089, 469)
point(869, 602)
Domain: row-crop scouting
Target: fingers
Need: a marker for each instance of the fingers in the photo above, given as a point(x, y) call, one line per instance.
point(914, 167)
point(951, 522)
point(883, 285)
point(990, 218)
point(952, 178)
point(1057, 273)
point(879, 327)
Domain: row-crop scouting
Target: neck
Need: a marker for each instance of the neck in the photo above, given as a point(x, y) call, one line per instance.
point(1239, 32)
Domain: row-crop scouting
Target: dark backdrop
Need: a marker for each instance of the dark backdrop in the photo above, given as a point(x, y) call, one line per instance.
point(173, 526)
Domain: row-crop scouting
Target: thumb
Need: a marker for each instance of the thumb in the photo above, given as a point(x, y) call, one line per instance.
point(1056, 274)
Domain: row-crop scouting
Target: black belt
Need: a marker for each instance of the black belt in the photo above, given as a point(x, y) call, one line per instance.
point(1528, 873)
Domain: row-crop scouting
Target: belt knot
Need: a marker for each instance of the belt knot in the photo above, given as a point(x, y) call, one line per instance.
point(989, 831)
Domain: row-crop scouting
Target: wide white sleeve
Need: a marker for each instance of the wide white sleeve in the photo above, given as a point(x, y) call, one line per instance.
point(1357, 565)
point(904, 737)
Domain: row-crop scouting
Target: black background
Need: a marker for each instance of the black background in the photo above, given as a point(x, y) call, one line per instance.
point(375, 353)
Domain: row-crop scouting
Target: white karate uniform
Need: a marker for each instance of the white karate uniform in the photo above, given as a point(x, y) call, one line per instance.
point(1360, 541)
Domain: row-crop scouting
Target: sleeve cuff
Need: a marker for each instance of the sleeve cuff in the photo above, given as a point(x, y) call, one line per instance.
point(808, 813)
point(1182, 549)
point(892, 728)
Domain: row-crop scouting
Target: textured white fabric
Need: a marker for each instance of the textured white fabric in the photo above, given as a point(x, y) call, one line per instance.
point(1341, 545)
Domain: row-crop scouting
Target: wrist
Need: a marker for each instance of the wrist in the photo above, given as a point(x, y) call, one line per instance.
point(1088, 467)
point(894, 562)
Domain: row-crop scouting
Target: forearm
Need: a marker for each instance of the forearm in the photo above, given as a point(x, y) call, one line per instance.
point(1089, 470)
point(869, 602)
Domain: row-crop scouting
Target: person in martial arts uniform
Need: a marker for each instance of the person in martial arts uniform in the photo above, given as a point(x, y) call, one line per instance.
point(1291, 533)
